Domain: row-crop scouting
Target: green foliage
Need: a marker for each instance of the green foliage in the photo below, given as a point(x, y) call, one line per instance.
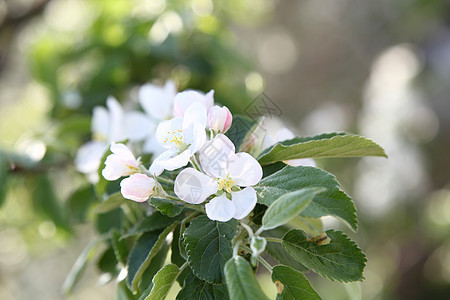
point(113, 202)
point(241, 282)
point(319, 146)
point(292, 284)
point(167, 207)
point(332, 202)
point(209, 247)
point(162, 282)
point(288, 207)
point(340, 259)
point(195, 288)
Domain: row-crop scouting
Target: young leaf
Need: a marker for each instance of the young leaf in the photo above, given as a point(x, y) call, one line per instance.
point(167, 207)
point(162, 282)
point(112, 202)
point(288, 206)
point(241, 282)
point(145, 248)
point(292, 284)
point(208, 247)
point(340, 260)
point(324, 145)
point(333, 201)
point(80, 264)
point(195, 288)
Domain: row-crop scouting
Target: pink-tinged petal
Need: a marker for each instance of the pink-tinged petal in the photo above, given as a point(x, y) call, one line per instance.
point(157, 101)
point(214, 156)
point(171, 162)
point(88, 157)
point(100, 123)
point(137, 125)
point(120, 163)
point(168, 132)
point(194, 187)
point(219, 118)
point(244, 201)
point(184, 99)
point(138, 187)
point(306, 162)
point(220, 209)
point(116, 114)
point(244, 169)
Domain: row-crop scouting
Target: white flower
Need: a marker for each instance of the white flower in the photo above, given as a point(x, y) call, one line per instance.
point(138, 187)
point(219, 119)
point(120, 163)
point(157, 101)
point(182, 137)
point(282, 135)
point(185, 99)
point(226, 171)
point(110, 124)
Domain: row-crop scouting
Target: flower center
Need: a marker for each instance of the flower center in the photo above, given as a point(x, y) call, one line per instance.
point(226, 184)
point(177, 139)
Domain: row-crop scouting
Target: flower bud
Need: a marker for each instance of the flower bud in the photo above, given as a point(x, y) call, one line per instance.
point(120, 163)
point(138, 187)
point(219, 119)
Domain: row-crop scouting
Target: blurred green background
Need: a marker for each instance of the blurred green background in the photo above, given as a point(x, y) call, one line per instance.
point(377, 68)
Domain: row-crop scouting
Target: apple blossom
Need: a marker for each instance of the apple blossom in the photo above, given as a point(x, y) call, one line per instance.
point(185, 99)
point(219, 119)
point(181, 137)
point(138, 187)
point(158, 101)
point(120, 163)
point(226, 171)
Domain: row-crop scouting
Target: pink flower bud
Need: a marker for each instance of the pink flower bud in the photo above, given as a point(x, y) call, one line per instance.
point(138, 187)
point(219, 119)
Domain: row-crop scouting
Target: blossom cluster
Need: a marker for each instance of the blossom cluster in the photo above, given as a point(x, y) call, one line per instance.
point(183, 131)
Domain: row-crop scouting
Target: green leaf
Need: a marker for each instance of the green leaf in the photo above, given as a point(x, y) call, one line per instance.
point(145, 248)
point(176, 256)
point(156, 264)
point(155, 221)
point(107, 263)
point(332, 202)
point(341, 259)
point(241, 282)
point(288, 206)
point(312, 226)
point(167, 207)
point(162, 282)
point(278, 252)
point(208, 247)
point(195, 288)
point(112, 202)
point(120, 246)
point(78, 204)
point(80, 265)
point(292, 284)
point(110, 220)
point(319, 146)
point(240, 128)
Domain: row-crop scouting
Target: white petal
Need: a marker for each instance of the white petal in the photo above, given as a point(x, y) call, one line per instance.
point(244, 201)
point(209, 99)
point(220, 209)
point(244, 169)
point(184, 100)
point(214, 156)
point(120, 163)
point(195, 136)
point(137, 125)
point(194, 187)
point(267, 141)
point(116, 114)
point(122, 151)
point(219, 118)
point(195, 113)
point(87, 159)
point(158, 101)
point(306, 162)
point(137, 187)
point(284, 134)
point(166, 131)
point(170, 160)
point(152, 146)
point(100, 123)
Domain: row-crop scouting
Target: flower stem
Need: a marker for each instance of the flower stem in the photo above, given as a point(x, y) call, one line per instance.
point(195, 163)
point(165, 180)
point(272, 239)
point(261, 260)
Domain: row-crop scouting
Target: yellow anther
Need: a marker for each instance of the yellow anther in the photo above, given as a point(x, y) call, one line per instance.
point(226, 184)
